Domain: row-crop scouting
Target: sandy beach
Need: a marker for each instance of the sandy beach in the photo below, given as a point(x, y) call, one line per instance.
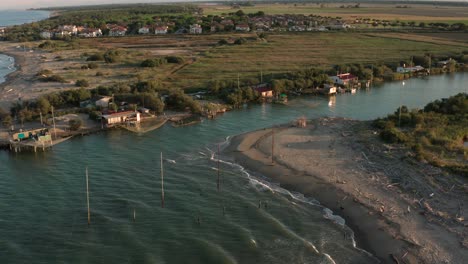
point(402, 211)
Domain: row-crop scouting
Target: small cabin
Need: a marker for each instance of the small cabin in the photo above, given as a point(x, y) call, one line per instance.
point(264, 90)
point(128, 117)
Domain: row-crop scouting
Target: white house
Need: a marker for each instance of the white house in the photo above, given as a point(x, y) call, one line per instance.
point(195, 29)
point(339, 25)
point(103, 102)
point(409, 69)
point(62, 33)
point(161, 30)
point(117, 31)
point(444, 63)
point(90, 33)
point(328, 89)
point(344, 79)
point(242, 27)
point(2, 31)
point(46, 34)
point(144, 30)
point(129, 117)
point(69, 28)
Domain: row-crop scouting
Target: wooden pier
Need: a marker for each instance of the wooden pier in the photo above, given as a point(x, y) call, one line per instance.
point(18, 146)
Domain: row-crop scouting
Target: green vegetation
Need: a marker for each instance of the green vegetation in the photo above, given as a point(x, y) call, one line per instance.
point(436, 133)
point(82, 83)
point(151, 63)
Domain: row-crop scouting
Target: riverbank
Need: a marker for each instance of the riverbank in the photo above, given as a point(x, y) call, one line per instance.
point(400, 210)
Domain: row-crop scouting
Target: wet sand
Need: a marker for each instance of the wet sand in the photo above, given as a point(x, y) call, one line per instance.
point(327, 160)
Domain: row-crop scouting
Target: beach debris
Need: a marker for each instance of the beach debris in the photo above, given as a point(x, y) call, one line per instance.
point(346, 133)
point(301, 122)
point(382, 209)
point(408, 209)
point(432, 194)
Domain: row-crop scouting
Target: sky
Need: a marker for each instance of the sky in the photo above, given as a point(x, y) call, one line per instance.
point(24, 4)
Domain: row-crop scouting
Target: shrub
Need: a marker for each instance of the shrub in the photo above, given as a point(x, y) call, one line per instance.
point(223, 42)
point(53, 78)
point(174, 59)
point(112, 56)
point(93, 65)
point(74, 124)
point(96, 57)
point(151, 63)
point(240, 41)
point(82, 83)
point(44, 72)
point(99, 73)
point(47, 45)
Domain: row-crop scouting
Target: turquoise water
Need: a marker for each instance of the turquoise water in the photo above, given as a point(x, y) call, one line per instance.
point(18, 17)
point(43, 199)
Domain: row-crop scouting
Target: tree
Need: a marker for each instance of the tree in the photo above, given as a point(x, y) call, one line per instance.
point(240, 13)
point(7, 121)
point(43, 105)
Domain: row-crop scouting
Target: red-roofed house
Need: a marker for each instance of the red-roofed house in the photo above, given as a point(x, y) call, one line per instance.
point(117, 31)
point(160, 30)
point(344, 79)
point(242, 27)
point(144, 30)
point(264, 90)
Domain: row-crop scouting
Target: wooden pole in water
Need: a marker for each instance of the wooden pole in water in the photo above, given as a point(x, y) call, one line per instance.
point(87, 196)
point(272, 145)
point(53, 121)
point(134, 215)
point(162, 182)
point(218, 183)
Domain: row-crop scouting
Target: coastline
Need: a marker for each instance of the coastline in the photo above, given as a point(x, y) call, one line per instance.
point(326, 162)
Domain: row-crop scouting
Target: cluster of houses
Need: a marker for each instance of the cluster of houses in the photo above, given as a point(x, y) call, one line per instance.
point(220, 24)
point(280, 23)
point(71, 30)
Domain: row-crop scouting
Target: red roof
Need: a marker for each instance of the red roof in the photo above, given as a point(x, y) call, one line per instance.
point(346, 76)
point(262, 88)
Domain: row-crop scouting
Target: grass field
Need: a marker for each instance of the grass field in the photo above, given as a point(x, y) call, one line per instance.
point(204, 60)
point(416, 13)
point(290, 52)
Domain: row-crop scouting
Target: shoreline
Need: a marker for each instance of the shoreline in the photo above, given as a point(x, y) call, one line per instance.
point(385, 223)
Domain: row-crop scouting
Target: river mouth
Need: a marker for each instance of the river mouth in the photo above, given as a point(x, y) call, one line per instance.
point(44, 215)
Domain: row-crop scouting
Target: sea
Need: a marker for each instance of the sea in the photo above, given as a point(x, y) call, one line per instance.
point(16, 17)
